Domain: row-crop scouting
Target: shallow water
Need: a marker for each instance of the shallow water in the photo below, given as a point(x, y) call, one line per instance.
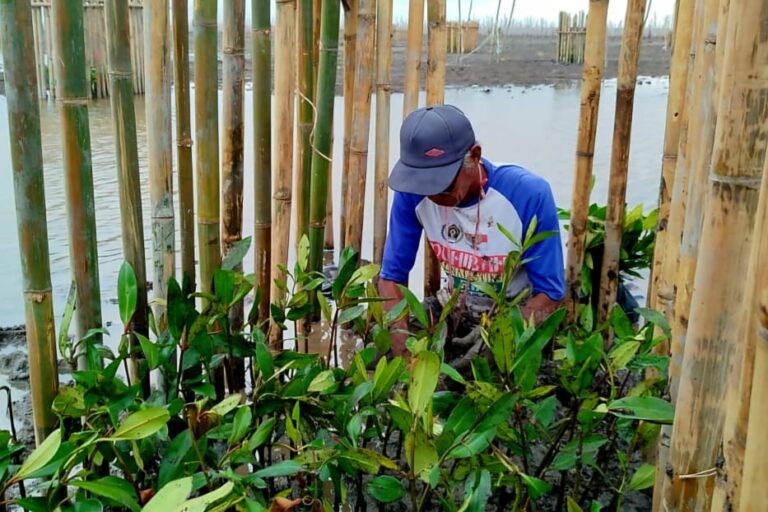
point(535, 127)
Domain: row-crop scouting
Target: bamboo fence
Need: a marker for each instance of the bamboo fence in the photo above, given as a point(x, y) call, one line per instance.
point(571, 38)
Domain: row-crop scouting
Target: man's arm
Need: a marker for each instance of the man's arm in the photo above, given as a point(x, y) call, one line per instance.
point(540, 306)
point(389, 290)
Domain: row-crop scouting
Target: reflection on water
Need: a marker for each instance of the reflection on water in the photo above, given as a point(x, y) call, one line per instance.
point(535, 127)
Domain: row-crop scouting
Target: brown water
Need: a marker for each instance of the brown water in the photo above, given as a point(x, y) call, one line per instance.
point(535, 127)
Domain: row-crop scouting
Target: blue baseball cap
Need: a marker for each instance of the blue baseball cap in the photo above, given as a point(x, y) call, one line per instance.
point(433, 142)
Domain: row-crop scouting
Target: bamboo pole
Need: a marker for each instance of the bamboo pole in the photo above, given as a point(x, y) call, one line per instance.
point(714, 341)
point(184, 140)
point(591, 84)
point(361, 121)
point(49, 35)
point(317, 6)
point(160, 150)
point(29, 194)
point(754, 492)
point(76, 143)
point(124, 119)
point(37, 35)
point(329, 236)
point(285, 80)
point(436, 49)
point(625, 96)
point(321, 156)
point(413, 56)
point(305, 100)
point(383, 91)
point(232, 159)
point(350, 61)
point(207, 141)
point(262, 150)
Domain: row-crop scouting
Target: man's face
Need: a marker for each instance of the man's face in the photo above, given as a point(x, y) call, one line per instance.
point(457, 192)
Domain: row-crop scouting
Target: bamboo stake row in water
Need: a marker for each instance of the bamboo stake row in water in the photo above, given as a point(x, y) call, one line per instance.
point(29, 194)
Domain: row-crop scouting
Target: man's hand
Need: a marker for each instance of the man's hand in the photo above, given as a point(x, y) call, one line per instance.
point(540, 306)
point(389, 290)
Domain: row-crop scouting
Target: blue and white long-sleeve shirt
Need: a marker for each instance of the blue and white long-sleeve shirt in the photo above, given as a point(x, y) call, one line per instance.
point(472, 249)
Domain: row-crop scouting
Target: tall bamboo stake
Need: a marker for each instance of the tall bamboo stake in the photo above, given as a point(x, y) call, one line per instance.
point(306, 100)
point(714, 341)
point(232, 158)
point(754, 492)
point(350, 63)
point(124, 119)
point(625, 96)
point(436, 55)
point(184, 139)
point(660, 293)
point(29, 193)
point(321, 156)
point(317, 5)
point(76, 141)
point(207, 135)
point(591, 84)
point(413, 56)
point(262, 150)
point(285, 79)
point(383, 90)
point(159, 148)
point(361, 120)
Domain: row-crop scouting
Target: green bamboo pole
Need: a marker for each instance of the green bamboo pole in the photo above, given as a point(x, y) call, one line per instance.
point(285, 81)
point(383, 90)
point(184, 139)
point(73, 92)
point(436, 54)
point(715, 339)
point(159, 149)
point(29, 193)
point(591, 85)
point(361, 121)
point(321, 156)
point(625, 96)
point(306, 100)
point(350, 63)
point(232, 159)
point(124, 119)
point(262, 149)
point(207, 138)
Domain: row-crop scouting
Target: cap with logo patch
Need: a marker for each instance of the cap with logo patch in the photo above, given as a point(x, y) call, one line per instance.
point(433, 142)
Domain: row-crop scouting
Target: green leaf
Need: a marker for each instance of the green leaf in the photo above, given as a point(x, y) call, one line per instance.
point(544, 411)
point(497, 413)
point(473, 444)
point(386, 489)
point(451, 372)
point(227, 405)
point(127, 292)
point(324, 306)
point(201, 504)
point(415, 305)
point(462, 417)
point(236, 253)
point(536, 487)
point(478, 494)
point(656, 318)
point(348, 262)
point(90, 505)
point(240, 424)
point(141, 424)
point(262, 434)
point(151, 351)
point(351, 313)
point(365, 273)
point(66, 319)
point(378, 458)
point(423, 382)
point(264, 360)
point(282, 468)
point(644, 478)
point(112, 488)
point(648, 408)
point(172, 462)
point(224, 285)
point(324, 381)
point(386, 375)
point(573, 506)
point(69, 402)
point(420, 451)
point(302, 255)
point(501, 336)
point(620, 323)
point(623, 353)
point(170, 496)
point(41, 456)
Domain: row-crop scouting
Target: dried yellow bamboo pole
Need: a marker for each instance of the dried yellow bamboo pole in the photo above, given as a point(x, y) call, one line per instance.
point(413, 56)
point(233, 139)
point(160, 150)
point(29, 194)
point(383, 90)
point(714, 341)
point(184, 140)
point(591, 84)
point(754, 492)
point(76, 144)
point(350, 61)
point(625, 96)
point(361, 121)
point(285, 80)
point(436, 55)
